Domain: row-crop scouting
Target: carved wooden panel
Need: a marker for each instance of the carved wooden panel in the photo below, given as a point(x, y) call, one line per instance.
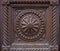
point(29, 25)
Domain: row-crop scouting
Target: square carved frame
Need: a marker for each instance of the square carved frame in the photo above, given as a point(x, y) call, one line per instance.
point(52, 21)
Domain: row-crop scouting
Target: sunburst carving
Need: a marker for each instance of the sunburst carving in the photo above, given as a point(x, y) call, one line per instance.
point(30, 25)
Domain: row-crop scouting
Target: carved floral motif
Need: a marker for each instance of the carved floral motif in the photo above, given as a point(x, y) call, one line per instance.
point(30, 25)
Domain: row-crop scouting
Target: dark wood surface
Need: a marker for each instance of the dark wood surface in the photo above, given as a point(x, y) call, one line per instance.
point(12, 13)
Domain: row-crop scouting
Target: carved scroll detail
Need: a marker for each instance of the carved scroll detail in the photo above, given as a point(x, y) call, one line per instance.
point(53, 29)
point(5, 25)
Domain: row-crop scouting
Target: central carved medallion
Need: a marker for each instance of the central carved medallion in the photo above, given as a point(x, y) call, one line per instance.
point(30, 25)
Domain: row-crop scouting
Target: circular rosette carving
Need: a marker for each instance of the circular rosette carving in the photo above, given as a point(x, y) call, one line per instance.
point(30, 25)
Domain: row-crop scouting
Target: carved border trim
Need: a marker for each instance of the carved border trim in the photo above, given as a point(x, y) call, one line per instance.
point(54, 27)
point(5, 25)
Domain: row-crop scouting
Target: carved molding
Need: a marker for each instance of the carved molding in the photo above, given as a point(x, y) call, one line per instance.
point(37, 1)
point(30, 47)
point(5, 25)
point(29, 1)
point(54, 25)
point(50, 2)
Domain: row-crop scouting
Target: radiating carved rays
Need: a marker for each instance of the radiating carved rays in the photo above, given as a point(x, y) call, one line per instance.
point(30, 24)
